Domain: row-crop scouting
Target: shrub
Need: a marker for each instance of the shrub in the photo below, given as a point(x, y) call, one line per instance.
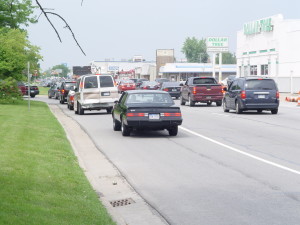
point(9, 91)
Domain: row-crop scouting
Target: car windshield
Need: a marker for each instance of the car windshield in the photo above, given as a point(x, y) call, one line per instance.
point(127, 81)
point(149, 99)
point(260, 85)
point(204, 81)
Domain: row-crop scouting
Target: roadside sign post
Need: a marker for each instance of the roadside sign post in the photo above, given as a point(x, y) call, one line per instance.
point(217, 45)
point(28, 86)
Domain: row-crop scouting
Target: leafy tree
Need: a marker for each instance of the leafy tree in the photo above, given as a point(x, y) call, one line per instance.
point(227, 58)
point(14, 13)
point(15, 52)
point(65, 69)
point(195, 50)
point(9, 91)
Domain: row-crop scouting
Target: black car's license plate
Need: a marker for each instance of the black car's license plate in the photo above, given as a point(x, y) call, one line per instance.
point(154, 117)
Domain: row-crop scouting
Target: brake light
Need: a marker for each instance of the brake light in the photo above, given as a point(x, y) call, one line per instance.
point(72, 98)
point(194, 90)
point(171, 114)
point(137, 114)
point(63, 91)
point(166, 89)
point(243, 95)
point(277, 94)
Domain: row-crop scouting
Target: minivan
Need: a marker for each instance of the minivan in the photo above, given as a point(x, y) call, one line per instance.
point(251, 93)
point(95, 92)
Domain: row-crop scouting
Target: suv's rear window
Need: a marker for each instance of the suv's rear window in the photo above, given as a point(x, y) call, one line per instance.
point(69, 85)
point(260, 85)
point(106, 81)
point(204, 81)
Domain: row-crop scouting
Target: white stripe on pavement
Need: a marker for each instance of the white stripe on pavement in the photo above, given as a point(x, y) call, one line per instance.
point(241, 152)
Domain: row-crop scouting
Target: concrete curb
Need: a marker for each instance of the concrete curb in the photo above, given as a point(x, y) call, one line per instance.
point(105, 178)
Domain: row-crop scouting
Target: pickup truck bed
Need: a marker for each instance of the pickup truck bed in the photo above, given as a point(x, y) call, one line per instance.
point(203, 90)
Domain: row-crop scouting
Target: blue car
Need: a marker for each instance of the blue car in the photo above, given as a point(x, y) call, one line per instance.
point(251, 93)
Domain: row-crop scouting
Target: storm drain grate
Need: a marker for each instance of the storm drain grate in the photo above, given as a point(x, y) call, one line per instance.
point(122, 202)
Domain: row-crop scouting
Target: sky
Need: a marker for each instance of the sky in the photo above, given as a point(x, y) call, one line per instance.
point(120, 29)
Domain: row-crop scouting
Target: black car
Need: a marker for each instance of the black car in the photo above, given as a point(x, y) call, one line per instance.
point(251, 93)
point(140, 81)
point(64, 90)
point(142, 109)
point(160, 81)
point(173, 88)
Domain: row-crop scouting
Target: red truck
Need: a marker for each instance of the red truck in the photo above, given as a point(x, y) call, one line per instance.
point(201, 89)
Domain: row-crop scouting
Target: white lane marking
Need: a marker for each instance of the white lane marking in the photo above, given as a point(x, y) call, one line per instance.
point(241, 152)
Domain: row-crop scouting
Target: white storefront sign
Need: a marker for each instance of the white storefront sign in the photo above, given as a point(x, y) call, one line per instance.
point(217, 44)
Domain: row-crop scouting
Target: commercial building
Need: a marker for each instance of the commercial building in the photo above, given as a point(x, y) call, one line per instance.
point(135, 68)
point(271, 47)
point(182, 71)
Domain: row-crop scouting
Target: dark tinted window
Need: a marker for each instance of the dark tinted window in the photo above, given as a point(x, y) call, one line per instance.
point(106, 81)
point(204, 81)
point(150, 99)
point(69, 85)
point(260, 85)
point(91, 82)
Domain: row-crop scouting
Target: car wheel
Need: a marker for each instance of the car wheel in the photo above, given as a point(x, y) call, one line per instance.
point(71, 107)
point(49, 96)
point(61, 101)
point(182, 102)
point(116, 125)
point(208, 103)
point(274, 111)
point(55, 96)
point(173, 131)
point(76, 109)
point(259, 110)
point(32, 96)
point(238, 109)
point(177, 97)
point(68, 106)
point(191, 103)
point(108, 110)
point(80, 109)
point(125, 129)
point(219, 103)
point(225, 109)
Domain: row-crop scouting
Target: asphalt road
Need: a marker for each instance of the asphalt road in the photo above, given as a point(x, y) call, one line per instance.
point(222, 168)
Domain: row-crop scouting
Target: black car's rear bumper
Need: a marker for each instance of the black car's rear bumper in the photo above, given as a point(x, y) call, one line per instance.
point(162, 124)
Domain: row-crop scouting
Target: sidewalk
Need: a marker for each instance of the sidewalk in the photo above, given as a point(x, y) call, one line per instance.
point(122, 202)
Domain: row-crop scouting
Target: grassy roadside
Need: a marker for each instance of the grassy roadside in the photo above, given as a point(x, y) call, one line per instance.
point(40, 179)
point(43, 90)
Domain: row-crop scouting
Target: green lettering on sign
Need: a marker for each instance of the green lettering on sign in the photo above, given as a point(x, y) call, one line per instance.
point(259, 26)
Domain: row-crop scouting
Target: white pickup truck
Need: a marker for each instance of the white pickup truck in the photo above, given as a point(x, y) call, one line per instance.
point(95, 92)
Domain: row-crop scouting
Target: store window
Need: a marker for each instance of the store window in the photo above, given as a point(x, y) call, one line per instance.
point(253, 70)
point(265, 69)
point(245, 71)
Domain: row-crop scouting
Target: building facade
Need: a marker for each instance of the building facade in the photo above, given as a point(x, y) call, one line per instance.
point(270, 47)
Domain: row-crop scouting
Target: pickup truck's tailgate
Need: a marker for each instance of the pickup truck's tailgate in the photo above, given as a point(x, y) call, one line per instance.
point(208, 92)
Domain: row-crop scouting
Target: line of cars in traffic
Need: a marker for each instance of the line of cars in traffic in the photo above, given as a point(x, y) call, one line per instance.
point(153, 107)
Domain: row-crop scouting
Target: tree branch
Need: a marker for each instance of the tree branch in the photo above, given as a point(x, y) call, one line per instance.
point(67, 25)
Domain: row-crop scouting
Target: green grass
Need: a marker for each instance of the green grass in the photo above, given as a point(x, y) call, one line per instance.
point(44, 90)
point(40, 179)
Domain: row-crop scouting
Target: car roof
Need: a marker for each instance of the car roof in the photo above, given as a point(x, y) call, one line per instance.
point(254, 78)
point(146, 91)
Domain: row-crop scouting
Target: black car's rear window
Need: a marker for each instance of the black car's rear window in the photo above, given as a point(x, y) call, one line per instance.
point(150, 99)
point(69, 85)
point(204, 81)
point(260, 85)
point(106, 81)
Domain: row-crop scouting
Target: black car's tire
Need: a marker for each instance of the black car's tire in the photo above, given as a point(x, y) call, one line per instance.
point(208, 103)
point(238, 109)
point(80, 109)
point(259, 110)
point(125, 129)
point(75, 110)
point(49, 96)
point(56, 96)
point(68, 106)
point(108, 110)
point(116, 125)
point(191, 102)
point(173, 131)
point(177, 97)
point(218, 103)
point(274, 111)
point(32, 96)
point(61, 101)
point(225, 109)
point(182, 102)
point(71, 107)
